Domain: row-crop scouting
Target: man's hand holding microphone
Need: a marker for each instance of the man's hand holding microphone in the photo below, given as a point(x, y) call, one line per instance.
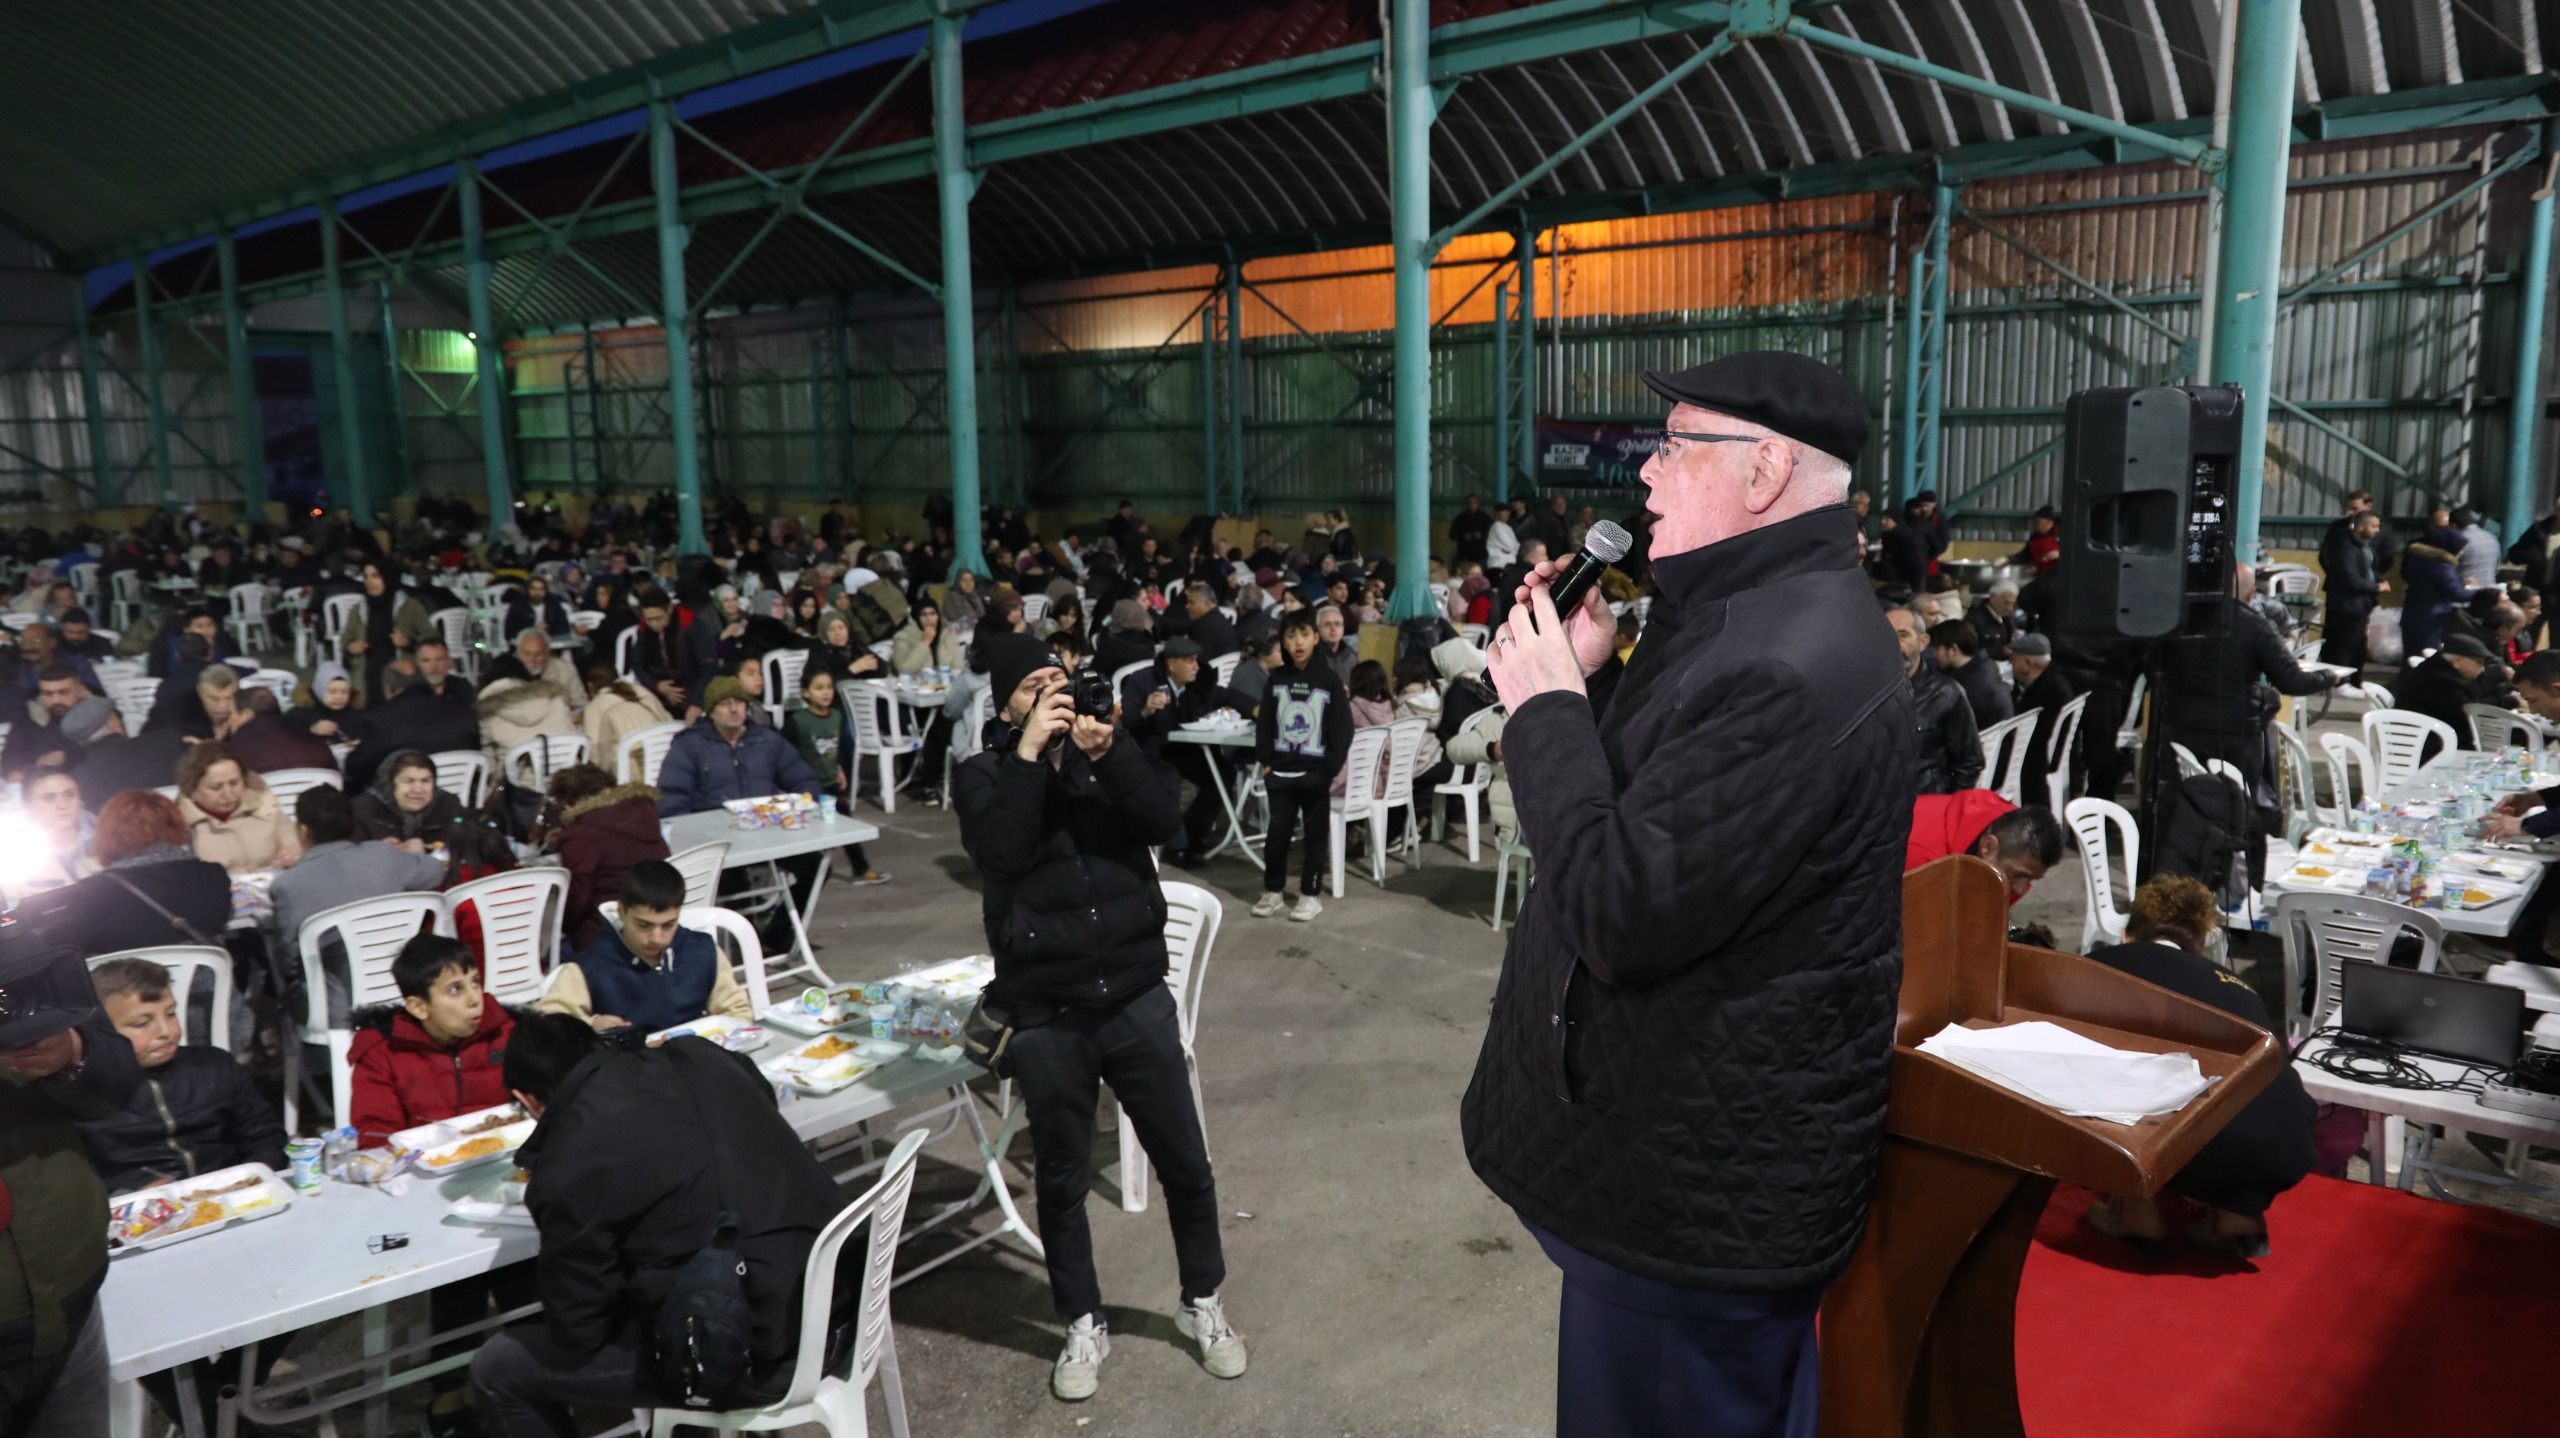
point(1534, 653)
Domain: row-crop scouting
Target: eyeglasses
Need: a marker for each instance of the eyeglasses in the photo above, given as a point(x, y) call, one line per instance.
point(1672, 451)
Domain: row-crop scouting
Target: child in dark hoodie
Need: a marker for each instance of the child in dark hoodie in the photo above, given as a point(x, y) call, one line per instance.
point(819, 730)
point(1302, 734)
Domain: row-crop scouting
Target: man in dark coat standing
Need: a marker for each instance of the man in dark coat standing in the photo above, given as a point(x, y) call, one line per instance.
point(2355, 587)
point(1682, 1088)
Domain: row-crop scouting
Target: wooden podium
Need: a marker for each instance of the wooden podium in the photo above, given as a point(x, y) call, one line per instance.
point(1919, 1336)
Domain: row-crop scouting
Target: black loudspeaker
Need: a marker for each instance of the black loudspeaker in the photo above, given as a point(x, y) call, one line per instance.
point(2147, 510)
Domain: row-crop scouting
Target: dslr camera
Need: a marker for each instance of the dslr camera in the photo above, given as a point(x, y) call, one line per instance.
point(1094, 699)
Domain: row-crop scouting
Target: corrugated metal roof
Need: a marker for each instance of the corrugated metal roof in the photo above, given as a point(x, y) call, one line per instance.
point(117, 118)
point(1320, 169)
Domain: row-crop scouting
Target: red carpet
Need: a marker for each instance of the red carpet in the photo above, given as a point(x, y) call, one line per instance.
point(2379, 1315)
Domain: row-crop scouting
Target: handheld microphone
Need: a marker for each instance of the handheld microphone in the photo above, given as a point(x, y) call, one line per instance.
point(1605, 544)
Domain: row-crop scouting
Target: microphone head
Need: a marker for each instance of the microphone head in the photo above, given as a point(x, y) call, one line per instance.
point(1608, 541)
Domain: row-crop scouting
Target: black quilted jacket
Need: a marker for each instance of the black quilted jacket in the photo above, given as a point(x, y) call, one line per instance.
point(1686, 1067)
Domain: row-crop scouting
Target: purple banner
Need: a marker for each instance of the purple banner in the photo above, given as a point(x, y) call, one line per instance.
point(1593, 454)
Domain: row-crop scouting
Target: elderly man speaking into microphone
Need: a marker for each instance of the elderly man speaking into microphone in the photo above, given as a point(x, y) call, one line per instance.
point(1682, 1088)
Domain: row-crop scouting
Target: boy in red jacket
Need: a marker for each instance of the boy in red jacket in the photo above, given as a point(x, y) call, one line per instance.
point(435, 1056)
point(441, 1053)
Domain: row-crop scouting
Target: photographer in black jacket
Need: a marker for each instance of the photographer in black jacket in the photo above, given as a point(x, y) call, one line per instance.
point(1057, 813)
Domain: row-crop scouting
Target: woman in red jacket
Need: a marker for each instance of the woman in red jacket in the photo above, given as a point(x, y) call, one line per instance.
point(603, 829)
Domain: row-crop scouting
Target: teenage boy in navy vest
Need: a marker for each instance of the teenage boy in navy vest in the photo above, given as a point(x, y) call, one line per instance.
point(645, 972)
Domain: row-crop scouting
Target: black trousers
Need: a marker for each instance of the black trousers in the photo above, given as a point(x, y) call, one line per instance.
point(1061, 1065)
point(1293, 796)
point(2342, 634)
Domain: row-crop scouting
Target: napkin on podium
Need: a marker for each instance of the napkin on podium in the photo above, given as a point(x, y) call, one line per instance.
point(2064, 1070)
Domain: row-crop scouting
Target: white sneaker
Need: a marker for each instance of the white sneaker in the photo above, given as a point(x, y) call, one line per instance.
point(1221, 1347)
point(1307, 907)
point(1269, 904)
point(1080, 1365)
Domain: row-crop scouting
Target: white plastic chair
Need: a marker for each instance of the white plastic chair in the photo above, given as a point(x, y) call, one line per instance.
point(453, 626)
point(2057, 755)
point(1121, 675)
point(2089, 820)
point(2324, 930)
point(2398, 739)
point(463, 773)
point(520, 914)
point(622, 650)
point(2493, 728)
point(643, 752)
point(879, 734)
point(1224, 668)
point(1478, 635)
point(1506, 852)
point(2189, 766)
point(126, 604)
point(538, 758)
point(708, 917)
point(248, 620)
point(133, 699)
point(2296, 788)
point(2351, 772)
point(1191, 918)
point(2377, 697)
point(184, 962)
point(336, 612)
point(1404, 762)
point(291, 784)
point(701, 866)
point(1467, 784)
point(2004, 754)
point(279, 682)
point(1362, 797)
point(2129, 732)
point(965, 740)
point(1035, 607)
point(836, 1404)
point(782, 669)
point(372, 932)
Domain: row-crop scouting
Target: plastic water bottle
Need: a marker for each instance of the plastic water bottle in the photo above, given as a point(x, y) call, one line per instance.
point(340, 1148)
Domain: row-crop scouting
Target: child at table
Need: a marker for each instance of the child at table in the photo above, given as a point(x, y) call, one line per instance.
point(818, 731)
point(438, 1054)
point(196, 1110)
point(647, 972)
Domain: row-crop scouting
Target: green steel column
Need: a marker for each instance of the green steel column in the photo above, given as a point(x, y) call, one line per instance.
point(151, 380)
point(342, 371)
point(1502, 391)
point(1528, 261)
point(245, 415)
point(1409, 115)
point(959, 306)
point(93, 416)
point(2244, 343)
point(1915, 362)
point(1235, 380)
point(485, 348)
point(677, 325)
point(1933, 380)
point(2525, 426)
point(1209, 398)
point(400, 477)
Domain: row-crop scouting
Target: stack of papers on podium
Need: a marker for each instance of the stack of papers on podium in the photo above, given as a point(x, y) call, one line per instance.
point(2080, 1076)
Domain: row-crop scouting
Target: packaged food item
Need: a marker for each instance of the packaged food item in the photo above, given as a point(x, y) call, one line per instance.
point(304, 1157)
point(144, 1217)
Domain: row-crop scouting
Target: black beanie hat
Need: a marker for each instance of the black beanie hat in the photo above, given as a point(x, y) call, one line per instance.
point(1011, 658)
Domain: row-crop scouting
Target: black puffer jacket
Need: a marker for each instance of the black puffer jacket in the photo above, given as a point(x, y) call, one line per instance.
point(1686, 1067)
point(194, 1114)
point(1949, 755)
point(1074, 915)
point(626, 1187)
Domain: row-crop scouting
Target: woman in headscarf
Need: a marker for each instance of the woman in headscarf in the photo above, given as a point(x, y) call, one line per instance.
point(325, 707)
point(614, 603)
point(387, 625)
point(963, 603)
point(404, 807)
point(836, 652)
point(806, 609)
point(923, 643)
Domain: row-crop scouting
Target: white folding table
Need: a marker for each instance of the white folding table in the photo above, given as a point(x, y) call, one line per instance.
point(192, 1301)
point(2448, 1107)
point(768, 847)
point(1232, 801)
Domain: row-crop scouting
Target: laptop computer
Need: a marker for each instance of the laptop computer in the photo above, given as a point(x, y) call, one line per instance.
point(2440, 1014)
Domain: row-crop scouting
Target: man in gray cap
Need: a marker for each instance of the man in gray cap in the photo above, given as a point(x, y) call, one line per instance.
point(2042, 690)
point(1682, 1088)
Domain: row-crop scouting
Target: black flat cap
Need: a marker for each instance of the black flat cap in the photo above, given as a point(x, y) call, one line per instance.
point(1796, 395)
point(2466, 646)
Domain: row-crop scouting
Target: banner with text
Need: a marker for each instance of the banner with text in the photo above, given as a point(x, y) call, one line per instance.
point(1593, 454)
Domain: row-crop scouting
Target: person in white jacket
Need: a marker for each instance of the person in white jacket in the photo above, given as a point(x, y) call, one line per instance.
point(1501, 546)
